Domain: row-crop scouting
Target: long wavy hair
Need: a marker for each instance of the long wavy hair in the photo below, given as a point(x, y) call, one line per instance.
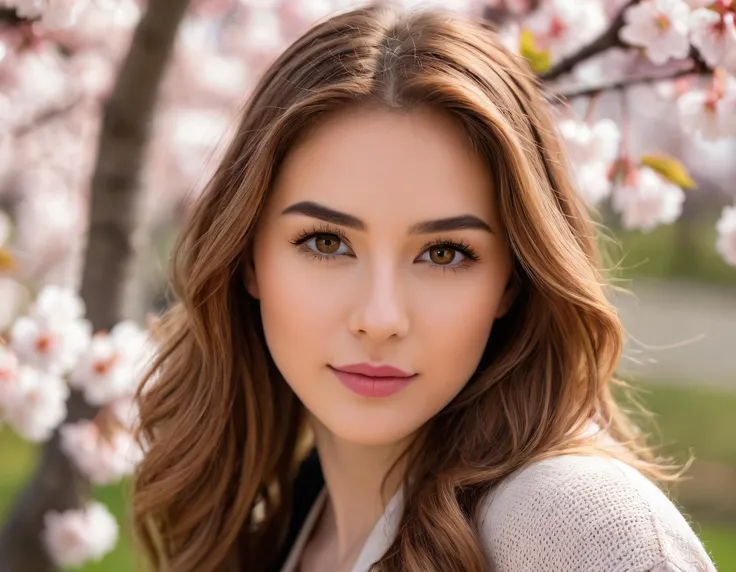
point(224, 433)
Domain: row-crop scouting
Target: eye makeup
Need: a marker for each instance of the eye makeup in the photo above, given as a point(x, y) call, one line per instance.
point(335, 233)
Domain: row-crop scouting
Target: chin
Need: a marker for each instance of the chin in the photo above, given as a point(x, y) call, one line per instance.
point(369, 429)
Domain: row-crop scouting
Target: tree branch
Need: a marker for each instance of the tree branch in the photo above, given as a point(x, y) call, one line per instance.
point(623, 84)
point(47, 116)
point(609, 39)
point(8, 15)
point(698, 67)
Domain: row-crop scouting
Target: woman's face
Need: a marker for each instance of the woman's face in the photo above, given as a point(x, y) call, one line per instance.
point(380, 244)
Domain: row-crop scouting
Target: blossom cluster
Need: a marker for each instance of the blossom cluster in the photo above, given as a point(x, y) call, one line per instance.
point(51, 350)
point(663, 33)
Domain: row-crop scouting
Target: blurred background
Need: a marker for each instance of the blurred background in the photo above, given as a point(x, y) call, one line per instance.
point(680, 308)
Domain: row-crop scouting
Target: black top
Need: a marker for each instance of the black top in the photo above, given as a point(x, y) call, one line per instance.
point(307, 486)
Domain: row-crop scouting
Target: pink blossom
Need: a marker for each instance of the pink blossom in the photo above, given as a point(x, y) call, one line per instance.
point(710, 113)
point(562, 26)
point(125, 411)
point(103, 458)
point(8, 374)
point(53, 336)
point(29, 8)
point(113, 364)
point(647, 200)
point(76, 536)
point(35, 403)
point(714, 35)
point(726, 228)
point(62, 13)
point(592, 150)
point(660, 26)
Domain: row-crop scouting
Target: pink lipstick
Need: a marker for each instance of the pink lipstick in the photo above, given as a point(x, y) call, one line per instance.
point(372, 381)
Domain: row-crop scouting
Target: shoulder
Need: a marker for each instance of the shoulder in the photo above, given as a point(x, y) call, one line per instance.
point(580, 512)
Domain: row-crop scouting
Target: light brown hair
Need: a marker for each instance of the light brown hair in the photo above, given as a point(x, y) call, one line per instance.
point(223, 430)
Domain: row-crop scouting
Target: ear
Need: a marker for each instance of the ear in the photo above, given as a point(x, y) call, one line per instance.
point(251, 280)
point(507, 300)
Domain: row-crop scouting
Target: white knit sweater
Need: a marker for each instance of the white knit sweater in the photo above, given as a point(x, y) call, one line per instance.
point(571, 513)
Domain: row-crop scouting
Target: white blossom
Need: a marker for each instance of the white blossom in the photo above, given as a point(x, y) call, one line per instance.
point(54, 334)
point(660, 26)
point(114, 364)
point(8, 374)
point(714, 35)
point(29, 8)
point(104, 457)
point(562, 26)
point(726, 228)
point(125, 411)
point(592, 150)
point(62, 13)
point(35, 403)
point(77, 536)
point(648, 201)
point(709, 113)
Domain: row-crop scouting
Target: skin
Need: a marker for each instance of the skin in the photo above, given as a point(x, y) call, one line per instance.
point(384, 297)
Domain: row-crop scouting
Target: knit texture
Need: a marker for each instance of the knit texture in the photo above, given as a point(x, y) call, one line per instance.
point(571, 513)
point(585, 513)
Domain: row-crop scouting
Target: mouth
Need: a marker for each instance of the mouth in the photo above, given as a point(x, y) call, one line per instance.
point(373, 381)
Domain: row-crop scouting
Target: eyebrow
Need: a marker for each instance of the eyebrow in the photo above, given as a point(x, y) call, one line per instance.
point(321, 212)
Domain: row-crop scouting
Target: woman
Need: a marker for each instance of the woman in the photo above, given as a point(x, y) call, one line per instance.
point(392, 348)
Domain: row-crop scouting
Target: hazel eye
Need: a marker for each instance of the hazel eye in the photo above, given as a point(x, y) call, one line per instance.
point(327, 244)
point(444, 256)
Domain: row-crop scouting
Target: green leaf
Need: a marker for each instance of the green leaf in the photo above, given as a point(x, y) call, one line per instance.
point(670, 168)
point(538, 59)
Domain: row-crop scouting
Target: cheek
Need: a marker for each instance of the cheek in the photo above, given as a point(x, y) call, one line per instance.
point(296, 312)
point(454, 330)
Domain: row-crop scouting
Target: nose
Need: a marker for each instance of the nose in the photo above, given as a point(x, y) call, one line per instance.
point(380, 311)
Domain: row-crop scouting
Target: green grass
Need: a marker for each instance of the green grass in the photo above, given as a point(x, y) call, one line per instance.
point(684, 250)
point(701, 421)
point(719, 542)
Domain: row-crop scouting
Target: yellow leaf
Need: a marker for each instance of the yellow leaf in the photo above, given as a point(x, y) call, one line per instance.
point(7, 262)
point(538, 59)
point(670, 168)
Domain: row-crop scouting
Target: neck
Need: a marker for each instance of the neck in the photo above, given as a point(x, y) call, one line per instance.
point(353, 476)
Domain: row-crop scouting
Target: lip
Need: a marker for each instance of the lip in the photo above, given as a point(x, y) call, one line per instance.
point(369, 370)
point(363, 379)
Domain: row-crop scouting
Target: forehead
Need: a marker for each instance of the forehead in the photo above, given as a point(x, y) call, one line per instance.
point(387, 165)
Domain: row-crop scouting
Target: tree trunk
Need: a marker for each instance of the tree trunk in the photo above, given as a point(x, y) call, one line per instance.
point(111, 246)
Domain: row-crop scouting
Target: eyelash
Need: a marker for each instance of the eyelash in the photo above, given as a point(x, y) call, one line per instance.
point(321, 230)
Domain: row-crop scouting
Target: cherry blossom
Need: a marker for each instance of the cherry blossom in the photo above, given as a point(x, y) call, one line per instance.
point(660, 26)
point(62, 13)
point(647, 200)
point(592, 149)
point(561, 26)
point(54, 334)
point(8, 374)
point(104, 457)
point(710, 113)
point(77, 536)
point(125, 412)
point(35, 403)
point(113, 364)
point(726, 227)
point(714, 34)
